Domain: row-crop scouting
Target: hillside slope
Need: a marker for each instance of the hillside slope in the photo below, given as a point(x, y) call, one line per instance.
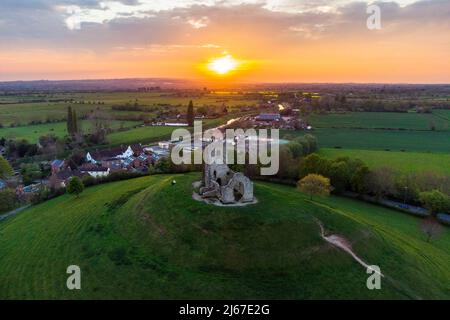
point(144, 238)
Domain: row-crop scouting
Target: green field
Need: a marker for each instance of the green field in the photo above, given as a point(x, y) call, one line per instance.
point(154, 133)
point(21, 110)
point(371, 139)
point(140, 135)
point(383, 131)
point(144, 238)
point(59, 129)
point(384, 120)
point(407, 162)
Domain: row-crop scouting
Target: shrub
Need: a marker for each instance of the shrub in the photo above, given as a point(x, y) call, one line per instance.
point(75, 186)
point(315, 184)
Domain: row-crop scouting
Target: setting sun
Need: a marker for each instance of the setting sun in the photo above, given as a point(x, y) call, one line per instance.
point(223, 65)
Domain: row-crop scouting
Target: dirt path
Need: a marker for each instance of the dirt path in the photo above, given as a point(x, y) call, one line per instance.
point(343, 244)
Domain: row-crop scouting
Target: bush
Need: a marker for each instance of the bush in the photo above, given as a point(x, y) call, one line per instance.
point(75, 186)
point(315, 184)
point(8, 200)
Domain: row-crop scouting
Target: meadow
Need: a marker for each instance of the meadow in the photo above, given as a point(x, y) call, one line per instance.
point(22, 110)
point(32, 133)
point(147, 238)
point(406, 162)
point(372, 139)
point(440, 119)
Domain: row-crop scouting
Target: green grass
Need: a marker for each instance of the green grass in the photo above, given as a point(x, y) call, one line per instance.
point(33, 132)
point(418, 141)
point(144, 238)
point(384, 120)
point(140, 135)
point(402, 161)
point(22, 109)
point(154, 133)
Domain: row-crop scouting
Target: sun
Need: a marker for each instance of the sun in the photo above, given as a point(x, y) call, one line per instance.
point(223, 65)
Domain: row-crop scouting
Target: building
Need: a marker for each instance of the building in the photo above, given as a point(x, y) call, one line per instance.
point(58, 165)
point(222, 183)
point(268, 117)
point(94, 170)
point(61, 179)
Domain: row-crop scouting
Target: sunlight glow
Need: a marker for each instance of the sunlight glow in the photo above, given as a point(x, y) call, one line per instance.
point(223, 65)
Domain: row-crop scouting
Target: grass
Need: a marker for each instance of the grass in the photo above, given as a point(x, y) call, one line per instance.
point(59, 129)
point(144, 238)
point(402, 161)
point(371, 139)
point(385, 120)
point(142, 134)
point(23, 109)
point(154, 133)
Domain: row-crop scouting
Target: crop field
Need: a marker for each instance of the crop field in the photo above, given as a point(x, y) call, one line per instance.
point(439, 119)
point(148, 239)
point(372, 139)
point(22, 110)
point(406, 162)
point(32, 133)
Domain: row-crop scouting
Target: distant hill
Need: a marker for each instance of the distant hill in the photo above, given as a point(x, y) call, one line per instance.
point(147, 238)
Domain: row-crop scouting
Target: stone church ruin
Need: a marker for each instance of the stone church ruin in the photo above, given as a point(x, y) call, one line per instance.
point(222, 183)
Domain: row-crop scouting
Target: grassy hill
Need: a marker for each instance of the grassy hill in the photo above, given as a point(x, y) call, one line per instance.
point(144, 238)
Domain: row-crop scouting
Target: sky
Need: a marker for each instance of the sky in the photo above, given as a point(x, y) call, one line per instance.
point(271, 40)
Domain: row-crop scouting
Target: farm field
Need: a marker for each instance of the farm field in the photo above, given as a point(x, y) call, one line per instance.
point(153, 133)
point(407, 162)
point(24, 110)
point(371, 139)
point(140, 135)
point(147, 238)
point(33, 132)
point(440, 119)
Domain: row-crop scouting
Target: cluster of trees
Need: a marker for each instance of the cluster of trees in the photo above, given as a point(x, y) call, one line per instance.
point(72, 122)
point(339, 102)
point(8, 198)
point(346, 174)
point(134, 107)
point(19, 148)
point(291, 155)
point(190, 114)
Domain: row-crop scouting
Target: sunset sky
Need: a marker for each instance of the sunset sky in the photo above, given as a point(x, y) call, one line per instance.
point(270, 40)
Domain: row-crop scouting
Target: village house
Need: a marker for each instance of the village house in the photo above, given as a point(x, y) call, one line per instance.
point(61, 178)
point(58, 165)
point(268, 117)
point(94, 171)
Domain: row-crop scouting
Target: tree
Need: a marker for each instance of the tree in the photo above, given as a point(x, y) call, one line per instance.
point(190, 114)
point(30, 172)
point(69, 121)
point(75, 186)
point(431, 228)
point(434, 201)
point(381, 182)
point(8, 200)
point(75, 127)
point(163, 165)
point(5, 168)
point(315, 184)
point(358, 179)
